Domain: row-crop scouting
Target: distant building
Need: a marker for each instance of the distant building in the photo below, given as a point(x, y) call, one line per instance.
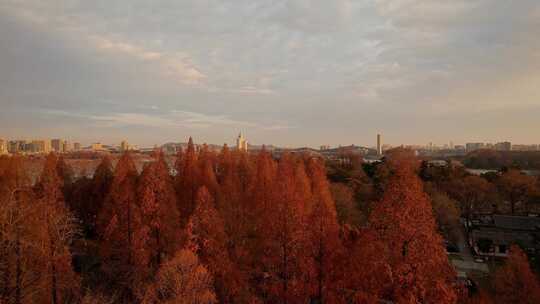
point(474, 146)
point(503, 146)
point(524, 148)
point(66, 146)
point(241, 142)
point(41, 146)
point(379, 145)
point(18, 146)
point(324, 147)
point(3, 147)
point(57, 145)
point(76, 146)
point(97, 147)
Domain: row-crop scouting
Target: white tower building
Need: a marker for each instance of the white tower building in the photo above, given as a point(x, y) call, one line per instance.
point(241, 142)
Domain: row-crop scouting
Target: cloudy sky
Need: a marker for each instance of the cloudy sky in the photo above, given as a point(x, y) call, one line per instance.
point(287, 72)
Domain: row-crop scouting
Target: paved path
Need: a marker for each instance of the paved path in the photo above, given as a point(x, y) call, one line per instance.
point(467, 262)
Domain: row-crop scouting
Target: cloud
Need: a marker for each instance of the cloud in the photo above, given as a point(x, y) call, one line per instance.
point(199, 119)
point(171, 119)
point(176, 66)
point(270, 65)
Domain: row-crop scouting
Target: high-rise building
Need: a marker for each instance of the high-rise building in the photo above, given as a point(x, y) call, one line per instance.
point(474, 146)
point(41, 146)
point(18, 146)
point(66, 147)
point(3, 147)
point(124, 146)
point(241, 142)
point(379, 145)
point(57, 145)
point(503, 146)
point(76, 146)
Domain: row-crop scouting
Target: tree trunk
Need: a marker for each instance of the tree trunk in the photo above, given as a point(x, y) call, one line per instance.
point(18, 267)
point(129, 231)
point(53, 275)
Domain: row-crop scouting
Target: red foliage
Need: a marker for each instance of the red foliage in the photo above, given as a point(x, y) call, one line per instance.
point(207, 238)
point(515, 282)
point(325, 249)
point(187, 182)
point(117, 222)
point(159, 232)
point(403, 221)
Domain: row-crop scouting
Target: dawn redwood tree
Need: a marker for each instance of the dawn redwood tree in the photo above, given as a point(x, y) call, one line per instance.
point(88, 196)
point(303, 189)
point(57, 229)
point(225, 163)
point(101, 183)
point(257, 205)
point(18, 234)
point(117, 222)
point(367, 273)
point(284, 238)
point(515, 282)
point(346, 206)
point(179, 160)
point(182, 279)
point(208, 177)
point(187, 182)
point(263, 183)
point(403, 221)
point(91, 298)
point(50, 184)
point(245, 169)
point(207, 238)
point(242, 182)
point(66, 175)
point(229, 202)
point(324, 248)
point(481, 297)
point(159, 232)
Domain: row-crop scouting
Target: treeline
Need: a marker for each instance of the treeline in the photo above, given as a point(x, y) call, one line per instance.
point(509, 191)
point(226, 228)
point(492, 159)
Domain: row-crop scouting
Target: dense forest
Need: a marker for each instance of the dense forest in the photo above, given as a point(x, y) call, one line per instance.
point(233, 227)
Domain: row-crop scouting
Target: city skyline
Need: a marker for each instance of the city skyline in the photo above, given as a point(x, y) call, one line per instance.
point(378, 145)
point(284, 72)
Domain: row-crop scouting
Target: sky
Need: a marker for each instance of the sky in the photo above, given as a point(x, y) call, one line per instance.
point(283, 72)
